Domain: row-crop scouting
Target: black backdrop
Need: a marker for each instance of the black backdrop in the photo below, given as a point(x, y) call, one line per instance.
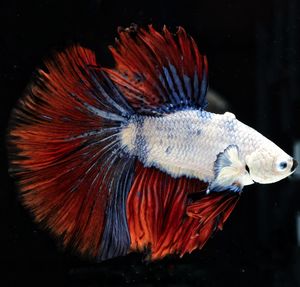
point(253, 54)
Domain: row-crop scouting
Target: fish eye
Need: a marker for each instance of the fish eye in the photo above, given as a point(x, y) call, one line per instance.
point(282, 165)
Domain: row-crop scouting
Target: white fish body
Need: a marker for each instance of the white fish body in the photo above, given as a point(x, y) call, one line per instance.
point(188, 143)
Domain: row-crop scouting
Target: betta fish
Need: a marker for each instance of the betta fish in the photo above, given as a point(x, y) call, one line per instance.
point(123, 159)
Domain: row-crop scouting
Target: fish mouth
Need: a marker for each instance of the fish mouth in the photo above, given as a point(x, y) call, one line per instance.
point(294, 166)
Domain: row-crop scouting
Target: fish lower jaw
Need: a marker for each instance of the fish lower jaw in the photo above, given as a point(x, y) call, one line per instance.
point(268, 180)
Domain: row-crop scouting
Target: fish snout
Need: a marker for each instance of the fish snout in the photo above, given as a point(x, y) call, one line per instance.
point(294, 166)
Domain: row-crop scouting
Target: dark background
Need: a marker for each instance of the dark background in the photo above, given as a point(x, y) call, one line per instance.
point(254, 62)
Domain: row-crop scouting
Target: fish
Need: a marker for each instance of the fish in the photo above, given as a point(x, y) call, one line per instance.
point(113, 160)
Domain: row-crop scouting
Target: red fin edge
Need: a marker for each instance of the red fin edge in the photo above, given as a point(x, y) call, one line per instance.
point(162, 218)
point(61, 153)
point(152, 67)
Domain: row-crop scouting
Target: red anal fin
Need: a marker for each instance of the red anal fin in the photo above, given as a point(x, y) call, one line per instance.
point(162, 218)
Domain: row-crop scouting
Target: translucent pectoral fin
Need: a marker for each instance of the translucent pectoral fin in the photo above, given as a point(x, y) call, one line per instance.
point(229, 171)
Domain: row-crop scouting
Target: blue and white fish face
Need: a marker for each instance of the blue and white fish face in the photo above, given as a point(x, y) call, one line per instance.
point(270, 164)
point(259, 159)
point(264, 162)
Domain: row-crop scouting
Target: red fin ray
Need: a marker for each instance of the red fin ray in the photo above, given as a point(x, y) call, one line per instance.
point(64, 148)
point(162, 218)
point(155, 69)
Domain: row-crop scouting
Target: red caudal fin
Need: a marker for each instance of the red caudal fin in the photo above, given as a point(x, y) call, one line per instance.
point(65, 152)
point(163, 219)
point(159, 72)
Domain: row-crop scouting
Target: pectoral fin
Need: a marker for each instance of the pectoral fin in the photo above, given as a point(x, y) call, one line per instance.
point(230, 172)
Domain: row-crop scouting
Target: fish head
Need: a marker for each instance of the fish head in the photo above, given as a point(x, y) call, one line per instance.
point(269, 165)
